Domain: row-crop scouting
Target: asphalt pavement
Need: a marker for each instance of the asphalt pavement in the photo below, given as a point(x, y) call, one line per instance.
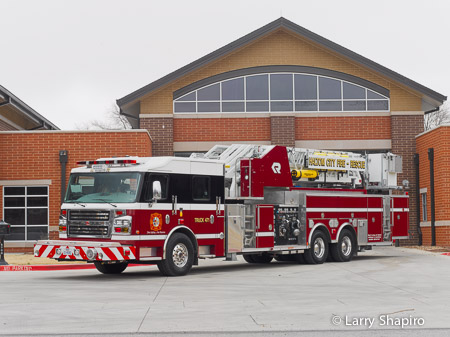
point(387, 291)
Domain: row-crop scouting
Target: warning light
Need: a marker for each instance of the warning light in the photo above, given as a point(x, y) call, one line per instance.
point(107, 162)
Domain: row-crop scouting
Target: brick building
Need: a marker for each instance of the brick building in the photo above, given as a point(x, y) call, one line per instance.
point(285, 85)
point(439, 140)
point(31, 174)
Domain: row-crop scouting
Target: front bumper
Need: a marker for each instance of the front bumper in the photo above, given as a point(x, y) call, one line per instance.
point(84, 251)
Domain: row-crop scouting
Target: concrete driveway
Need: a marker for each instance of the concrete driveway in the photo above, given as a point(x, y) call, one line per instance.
point(385, 291)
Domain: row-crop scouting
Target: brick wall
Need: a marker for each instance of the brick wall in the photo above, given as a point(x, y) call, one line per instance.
point(439, 140)
point(162, 133)
point(223, 129)
point(330, 128)
point(442, 236)
point(282, 130)
point(404, 130)
point(35, 156)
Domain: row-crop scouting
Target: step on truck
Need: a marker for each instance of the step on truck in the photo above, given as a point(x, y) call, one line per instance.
point(259, 201)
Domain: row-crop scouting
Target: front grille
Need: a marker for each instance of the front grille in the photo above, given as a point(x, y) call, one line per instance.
point(91, 230)
point(93, 223)
point(88, 215)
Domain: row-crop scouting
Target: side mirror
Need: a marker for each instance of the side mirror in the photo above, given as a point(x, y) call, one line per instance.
point(157, 190)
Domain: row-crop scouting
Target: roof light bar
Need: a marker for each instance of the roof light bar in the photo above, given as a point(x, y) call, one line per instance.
point(107, 162)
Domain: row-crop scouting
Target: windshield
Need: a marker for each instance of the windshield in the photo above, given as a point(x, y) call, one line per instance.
point(117, 187)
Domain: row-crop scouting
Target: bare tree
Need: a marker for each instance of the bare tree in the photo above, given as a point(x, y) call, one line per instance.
point(439, 117)
point(114, 121)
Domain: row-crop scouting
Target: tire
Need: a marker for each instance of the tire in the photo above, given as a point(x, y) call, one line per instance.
point(300, 258)
point(344, 249)
point(110, 268)
point(248, 258)
point(318, 251)
point(179, 256)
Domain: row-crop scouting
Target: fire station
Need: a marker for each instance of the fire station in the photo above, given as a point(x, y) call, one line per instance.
point(279, 85)
point(283, 84)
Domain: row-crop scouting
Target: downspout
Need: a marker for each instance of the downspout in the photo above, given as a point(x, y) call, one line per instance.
point(433, 229)
point(63, 155)
point(419, 230)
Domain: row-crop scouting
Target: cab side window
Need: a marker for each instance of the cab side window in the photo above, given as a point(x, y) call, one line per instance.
point(163, 179)
point(201, 188)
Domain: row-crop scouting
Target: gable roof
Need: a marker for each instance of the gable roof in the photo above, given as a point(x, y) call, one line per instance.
point(12, 107)
point(274, 25)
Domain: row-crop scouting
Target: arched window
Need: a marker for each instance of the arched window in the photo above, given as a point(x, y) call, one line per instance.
point(281, 92)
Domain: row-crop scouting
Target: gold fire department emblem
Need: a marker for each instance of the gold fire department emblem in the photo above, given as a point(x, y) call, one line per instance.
point(156, 222)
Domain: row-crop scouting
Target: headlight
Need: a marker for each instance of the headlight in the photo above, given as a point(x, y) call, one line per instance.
point(122, 225)
point(62, 224)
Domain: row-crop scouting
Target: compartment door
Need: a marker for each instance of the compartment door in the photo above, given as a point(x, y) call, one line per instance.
point(400, 217)
point(264, 226)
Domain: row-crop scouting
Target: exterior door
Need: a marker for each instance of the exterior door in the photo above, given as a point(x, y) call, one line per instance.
point(264, 226)
point(400, 217)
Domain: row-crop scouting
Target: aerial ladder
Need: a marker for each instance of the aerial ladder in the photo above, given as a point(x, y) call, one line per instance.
point(309, 167)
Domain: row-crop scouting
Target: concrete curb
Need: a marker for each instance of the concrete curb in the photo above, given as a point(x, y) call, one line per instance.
point(49, 267)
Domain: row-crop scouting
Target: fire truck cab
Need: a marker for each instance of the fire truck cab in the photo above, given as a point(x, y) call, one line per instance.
point(262, 202)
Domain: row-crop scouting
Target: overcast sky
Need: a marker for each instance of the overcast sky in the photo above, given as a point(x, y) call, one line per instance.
point(70, 60)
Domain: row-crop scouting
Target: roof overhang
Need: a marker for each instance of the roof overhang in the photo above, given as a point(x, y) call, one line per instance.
point(19, 115)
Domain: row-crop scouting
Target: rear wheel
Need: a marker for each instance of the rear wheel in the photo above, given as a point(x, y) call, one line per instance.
point(344, 249)
point(318, 251)
point(110, 268)
point(179, 256)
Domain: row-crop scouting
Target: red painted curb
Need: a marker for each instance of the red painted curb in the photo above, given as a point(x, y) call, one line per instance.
point(446, 254)
point(55, 267)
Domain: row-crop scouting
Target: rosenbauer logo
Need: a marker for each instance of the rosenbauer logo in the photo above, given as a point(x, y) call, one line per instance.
point(276, 168)
point(155, 222)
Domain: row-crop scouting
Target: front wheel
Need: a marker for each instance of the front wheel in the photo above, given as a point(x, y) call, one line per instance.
point(344, 249)
point(318, 251)
point(110, 268)
point(179, 256)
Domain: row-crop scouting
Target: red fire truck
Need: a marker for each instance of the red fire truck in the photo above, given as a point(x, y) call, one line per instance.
point(261, 202)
